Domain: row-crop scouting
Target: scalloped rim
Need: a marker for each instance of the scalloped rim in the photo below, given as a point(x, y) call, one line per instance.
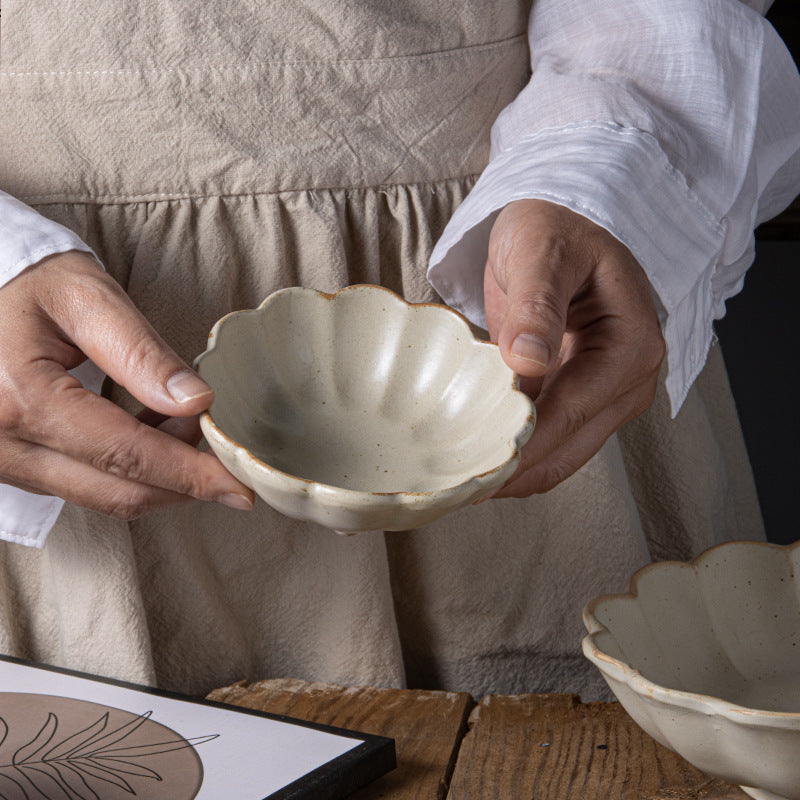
point(350, 497)
point(703, 703)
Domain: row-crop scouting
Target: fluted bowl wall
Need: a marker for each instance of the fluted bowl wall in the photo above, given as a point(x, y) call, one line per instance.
point(705, 656)
point(359, 410)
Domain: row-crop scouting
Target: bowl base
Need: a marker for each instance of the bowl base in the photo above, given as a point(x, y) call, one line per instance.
point(762, 794)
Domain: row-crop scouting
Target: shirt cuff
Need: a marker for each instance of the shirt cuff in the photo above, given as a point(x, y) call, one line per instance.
point(620, 179)
point(27, 237)
point(27, 518)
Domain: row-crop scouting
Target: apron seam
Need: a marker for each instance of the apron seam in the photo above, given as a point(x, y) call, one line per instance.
point(166, 197)
point(265, 63)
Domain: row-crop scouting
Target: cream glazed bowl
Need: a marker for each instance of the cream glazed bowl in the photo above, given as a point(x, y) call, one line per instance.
point(705, 656)
point(360, 411)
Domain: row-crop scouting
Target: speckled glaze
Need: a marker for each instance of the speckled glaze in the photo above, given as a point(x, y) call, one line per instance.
point(705, 656)
point(360, 411)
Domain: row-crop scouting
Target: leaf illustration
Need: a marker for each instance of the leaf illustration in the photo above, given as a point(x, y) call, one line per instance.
point(74, 782)
point(47, 781)
point(127, 767)
point(77, 780)
point(81, 738)
point(112, 737)
point(39, 742)
point(158, 747)
point(79, 765)
point(5, 777)
point(101, 773)
point(25, 779)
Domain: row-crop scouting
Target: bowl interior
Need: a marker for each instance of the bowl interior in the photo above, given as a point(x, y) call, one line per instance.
point(727, 626)
point(360, 390)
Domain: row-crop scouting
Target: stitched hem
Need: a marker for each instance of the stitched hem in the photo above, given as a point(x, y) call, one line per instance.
point(454, 52)
point(50, 249)
point(161, 197)
point(27, 541)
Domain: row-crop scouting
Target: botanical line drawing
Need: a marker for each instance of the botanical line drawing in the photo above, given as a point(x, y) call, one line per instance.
point(70, 764)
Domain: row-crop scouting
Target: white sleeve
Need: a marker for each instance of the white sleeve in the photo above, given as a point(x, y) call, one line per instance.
point(674, 124)
point(26, 237)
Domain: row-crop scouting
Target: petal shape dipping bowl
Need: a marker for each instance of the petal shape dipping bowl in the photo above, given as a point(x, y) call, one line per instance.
point(705, 656)
point(360, 411)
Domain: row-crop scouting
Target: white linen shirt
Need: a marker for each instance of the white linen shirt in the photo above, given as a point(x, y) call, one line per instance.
point(673, 124)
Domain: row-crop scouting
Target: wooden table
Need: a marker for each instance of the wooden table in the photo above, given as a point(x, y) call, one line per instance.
point(531, 747)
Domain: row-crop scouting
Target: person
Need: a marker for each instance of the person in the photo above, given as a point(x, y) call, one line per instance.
point(207, 160)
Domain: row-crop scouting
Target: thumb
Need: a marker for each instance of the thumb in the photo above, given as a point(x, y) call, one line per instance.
point(538, 288)
point(100, 319)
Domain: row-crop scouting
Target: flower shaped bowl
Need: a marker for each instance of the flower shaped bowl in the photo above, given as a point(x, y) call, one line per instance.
point(705, 656)
point(360, 411)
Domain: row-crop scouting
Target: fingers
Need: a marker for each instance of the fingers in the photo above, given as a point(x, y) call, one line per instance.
point(187, 429)
point(573, 314)
point(87, 449)
point(97, 317)
point(543, 469)
point(597, 389)
point(43, 471)
point(107, 439)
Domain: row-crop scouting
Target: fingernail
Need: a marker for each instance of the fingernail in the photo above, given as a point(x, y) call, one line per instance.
point(186, 385)
point(234, 500)
point(531, 348)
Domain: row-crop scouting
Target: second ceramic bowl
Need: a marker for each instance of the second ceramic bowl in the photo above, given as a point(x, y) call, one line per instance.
point(705, 656)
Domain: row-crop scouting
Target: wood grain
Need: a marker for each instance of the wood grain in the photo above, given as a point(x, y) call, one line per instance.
point(553, 747)
point(427, 726)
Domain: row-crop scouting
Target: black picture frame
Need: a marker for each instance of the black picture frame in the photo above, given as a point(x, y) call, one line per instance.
point(334, 780)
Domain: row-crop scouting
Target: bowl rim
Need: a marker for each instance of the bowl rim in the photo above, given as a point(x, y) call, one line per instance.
point(692, 701)
point(351, 497)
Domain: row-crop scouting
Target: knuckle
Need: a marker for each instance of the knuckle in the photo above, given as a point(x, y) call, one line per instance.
point(122, 458)
point(126, 506)
point(13, 416)
point(539, 305)
point(552, 474)
point(573, 416)
point(202, 478)
point(140, 355)
point(521, 235)
point(185, 481)
point(82, 291)
point(550, 244)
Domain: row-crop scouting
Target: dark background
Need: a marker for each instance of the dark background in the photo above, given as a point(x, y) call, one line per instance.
point(760, 341)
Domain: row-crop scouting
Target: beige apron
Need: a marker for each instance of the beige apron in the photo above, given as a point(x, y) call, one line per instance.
point(214, 152)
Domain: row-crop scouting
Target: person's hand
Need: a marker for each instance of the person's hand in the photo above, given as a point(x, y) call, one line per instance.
point(58, 438)
point(573, 314)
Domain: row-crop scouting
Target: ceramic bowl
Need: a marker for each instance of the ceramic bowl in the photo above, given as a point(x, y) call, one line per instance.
point(360, 411)
point(705, 656)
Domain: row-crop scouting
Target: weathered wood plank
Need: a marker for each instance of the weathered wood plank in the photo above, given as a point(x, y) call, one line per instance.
point(553, 747)
point(427, 726)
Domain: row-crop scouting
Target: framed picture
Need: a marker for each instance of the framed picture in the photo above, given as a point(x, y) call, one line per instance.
point(69, 736)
